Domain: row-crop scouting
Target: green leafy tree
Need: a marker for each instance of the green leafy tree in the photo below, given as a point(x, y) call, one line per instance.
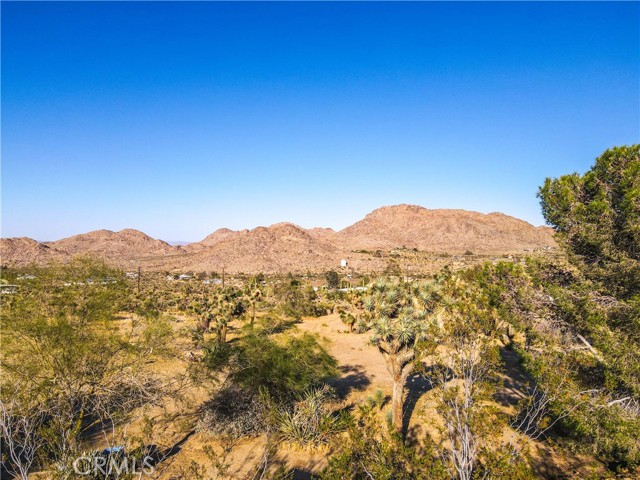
point(594, 390)
point(333, 279)
point(68, 362)
point(597, 218)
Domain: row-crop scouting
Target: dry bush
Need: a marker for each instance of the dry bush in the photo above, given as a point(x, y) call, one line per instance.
point(233, 411)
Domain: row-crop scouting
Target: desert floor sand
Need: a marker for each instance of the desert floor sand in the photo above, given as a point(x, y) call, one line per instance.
point(363, 372)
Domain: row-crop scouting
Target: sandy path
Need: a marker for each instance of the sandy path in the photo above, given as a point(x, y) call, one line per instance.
point(361, 364)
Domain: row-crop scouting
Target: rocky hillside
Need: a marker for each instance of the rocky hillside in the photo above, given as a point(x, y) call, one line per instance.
point(216, 237)
point(126, 243)
point(453, 231)
point(285, 247)
point(20, 252)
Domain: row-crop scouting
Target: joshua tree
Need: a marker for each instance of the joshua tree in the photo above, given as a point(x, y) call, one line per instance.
point(348, 319)
point(401, 315)
point(253, 295)
point(227, 305)
point(351, 310)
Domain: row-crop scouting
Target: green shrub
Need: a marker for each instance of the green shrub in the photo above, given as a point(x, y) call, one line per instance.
point(297, 301)
point(333, 279)
point(283, 367)
point(368, 452)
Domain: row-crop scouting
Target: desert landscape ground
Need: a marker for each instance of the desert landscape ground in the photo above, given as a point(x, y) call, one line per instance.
point(363, 375)
point(320, 240)
point(414, 344)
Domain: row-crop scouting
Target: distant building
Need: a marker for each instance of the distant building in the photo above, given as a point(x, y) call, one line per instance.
point(184, 276)
point(215, 281)
point(351, 289)
point(131, 274)
point(343, 263)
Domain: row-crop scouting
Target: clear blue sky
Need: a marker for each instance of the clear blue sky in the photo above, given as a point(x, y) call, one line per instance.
point(180, 118)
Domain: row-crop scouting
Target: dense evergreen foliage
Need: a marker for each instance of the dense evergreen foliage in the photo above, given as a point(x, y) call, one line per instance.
point(597, 218)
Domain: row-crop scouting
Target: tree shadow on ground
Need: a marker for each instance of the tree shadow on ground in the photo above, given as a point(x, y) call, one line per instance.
point(416, 386)
point(176, 447)
point(353, 379)
point(298, 474)
point(155, 455)
point(303, 471)
point(545, 467)
point(517, 383)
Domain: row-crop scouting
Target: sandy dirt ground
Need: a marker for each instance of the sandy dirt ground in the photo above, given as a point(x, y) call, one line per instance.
point(363, 371)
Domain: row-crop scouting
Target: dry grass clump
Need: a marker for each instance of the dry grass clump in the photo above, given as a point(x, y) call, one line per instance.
point(233, 411)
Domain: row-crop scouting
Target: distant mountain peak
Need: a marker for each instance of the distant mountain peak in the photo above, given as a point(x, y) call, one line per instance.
point(402, 207)
point(287, 247)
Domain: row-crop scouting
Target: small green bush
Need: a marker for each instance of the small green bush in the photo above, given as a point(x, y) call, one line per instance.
point(283, 367)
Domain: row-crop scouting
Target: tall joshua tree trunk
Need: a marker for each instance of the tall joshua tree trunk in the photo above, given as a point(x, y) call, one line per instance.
point(397, 402)
point(222, 333)
point(253, 313)
point(205, 321)
point(399, 365)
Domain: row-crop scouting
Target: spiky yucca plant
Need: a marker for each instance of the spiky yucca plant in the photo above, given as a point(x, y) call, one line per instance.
point(310, 424)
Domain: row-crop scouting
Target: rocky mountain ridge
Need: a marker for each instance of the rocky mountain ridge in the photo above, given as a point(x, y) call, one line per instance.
point(286, 247)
